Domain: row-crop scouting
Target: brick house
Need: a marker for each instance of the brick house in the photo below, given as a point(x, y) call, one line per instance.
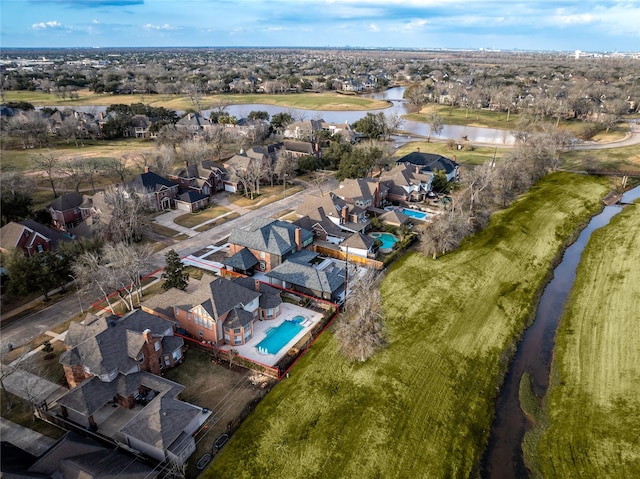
point(159, 192)
point(106, 347)
point(30, 236)
point(69, 210)
point(114, 365)
point(269, 241)
point(205, 177)
point(219, 311)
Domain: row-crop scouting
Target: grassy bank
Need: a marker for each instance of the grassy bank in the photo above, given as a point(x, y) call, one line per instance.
point(308, 101)
point(470, 156)
point(423, 406)
point(594, 403)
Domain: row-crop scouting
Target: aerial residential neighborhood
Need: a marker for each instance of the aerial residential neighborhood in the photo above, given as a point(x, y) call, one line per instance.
point(241, 261)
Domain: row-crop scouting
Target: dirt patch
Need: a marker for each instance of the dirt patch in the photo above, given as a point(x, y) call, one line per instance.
point(229, 393)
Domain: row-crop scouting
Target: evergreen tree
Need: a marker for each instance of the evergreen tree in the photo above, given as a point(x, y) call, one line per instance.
point(174, 274)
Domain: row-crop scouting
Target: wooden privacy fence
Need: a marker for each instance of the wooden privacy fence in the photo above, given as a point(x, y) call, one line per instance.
point(337, 254)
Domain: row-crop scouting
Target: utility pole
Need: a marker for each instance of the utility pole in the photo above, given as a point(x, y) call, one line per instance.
point(346, 281)
point(75, 281)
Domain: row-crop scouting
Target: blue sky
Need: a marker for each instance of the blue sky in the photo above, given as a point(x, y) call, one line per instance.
point(588, 25)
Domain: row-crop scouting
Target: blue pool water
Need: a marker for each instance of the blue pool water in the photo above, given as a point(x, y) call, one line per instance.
point(415, 214)
point(279, 336)
point(388, 240)
point(297, 319)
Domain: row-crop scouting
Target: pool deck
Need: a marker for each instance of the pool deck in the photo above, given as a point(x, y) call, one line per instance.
point(260, 328)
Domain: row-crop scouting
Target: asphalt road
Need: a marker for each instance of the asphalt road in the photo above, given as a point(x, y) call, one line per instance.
point(26, 329)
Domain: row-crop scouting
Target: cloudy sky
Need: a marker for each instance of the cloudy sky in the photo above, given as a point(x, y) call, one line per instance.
point(588, 25)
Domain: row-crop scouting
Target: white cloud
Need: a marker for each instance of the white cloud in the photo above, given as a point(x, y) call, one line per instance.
point(374, 28)
point(416, 24)
point(95, 22)
point(150, 27)
point(45, 25)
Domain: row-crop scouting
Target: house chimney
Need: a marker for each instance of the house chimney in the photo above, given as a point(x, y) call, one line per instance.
point(256, 284)
point(146, 168)
point(454, 157)
point(298, 239)
point(189, 117)
point(102, 115)
point(148, 338)
point(418, 149)
point(186, 162)
point(417, 169)
point(345, 214)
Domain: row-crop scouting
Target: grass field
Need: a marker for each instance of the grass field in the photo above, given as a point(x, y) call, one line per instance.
point(467, 157)
point(307, 101)
point(423, 406)
point(594, 403)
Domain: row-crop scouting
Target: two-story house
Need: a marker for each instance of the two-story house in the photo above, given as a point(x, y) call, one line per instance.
point(205, 177)
point(269, 241)
point(406, 183)
point(431, 163)
point(30, 237)
point(159, 192)
point(69, 210)
point(113, 367)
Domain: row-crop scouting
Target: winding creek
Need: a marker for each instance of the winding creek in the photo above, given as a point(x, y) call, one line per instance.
point(503, 456)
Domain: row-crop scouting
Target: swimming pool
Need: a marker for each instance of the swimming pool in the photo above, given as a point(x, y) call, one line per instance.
point(420, 215)
point(279, 336)
point(388, 240)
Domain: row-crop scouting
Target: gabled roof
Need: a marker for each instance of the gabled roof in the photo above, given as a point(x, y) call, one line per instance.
point(358, 189)
point(325, 281)
point(269, 235)
point(269, 296)
point(193, 119)
point(151, 181)
point(238, 318)
point(429, 161)
point(226, 295)
point(67, 201)
point(298, 147)
point(404, 175)
point(108, 345)
point(11, 233)
point(191, 197)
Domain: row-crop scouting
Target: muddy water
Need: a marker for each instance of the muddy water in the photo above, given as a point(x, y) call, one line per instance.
point(503, 456)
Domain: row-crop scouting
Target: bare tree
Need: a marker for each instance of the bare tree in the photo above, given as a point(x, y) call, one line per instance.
point(50, 164)
point(119, 167)
point(75, 172)
point(361, 331)
point(435, 125)
point(129, 216)
point(30, 127)
point(90, 271)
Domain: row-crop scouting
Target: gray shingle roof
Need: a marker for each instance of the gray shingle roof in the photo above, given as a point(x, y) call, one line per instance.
point(270, 296)
point(238, 318)
point(67, 201)
point(429, 161)
point(226, 295)
point(309, 277)
point(107, 345)
point(243, 260)
point(151, 181)
point(358, 240)
point(269, 235)
point(162, 421)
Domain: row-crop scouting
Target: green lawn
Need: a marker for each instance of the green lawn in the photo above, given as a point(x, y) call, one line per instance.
point(594, 403)
point(307, 101)
point(478, 155)
point(423, 406)
point(189, 220)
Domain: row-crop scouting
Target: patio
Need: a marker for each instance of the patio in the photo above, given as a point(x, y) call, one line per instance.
point(260, 328)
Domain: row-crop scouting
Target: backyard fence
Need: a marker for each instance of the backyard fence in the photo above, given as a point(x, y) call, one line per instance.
point(341, 255)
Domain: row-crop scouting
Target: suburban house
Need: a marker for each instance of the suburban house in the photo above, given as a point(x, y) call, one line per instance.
point(256, 159)
point(69, 210)
point(219, 311)
point(406, 183)
point(113, 366)
point(359, 244)
point(78, 456)
point(194, 123)
point(303, 130)
point(304, 273)
point(362, 192)
point(158, 191)
point(325, 211)
point(30, 237)
point(269, 241)
point(431, 163)
point(107, 347)
point(191, 201)
point(205, 177)
point(296, 149)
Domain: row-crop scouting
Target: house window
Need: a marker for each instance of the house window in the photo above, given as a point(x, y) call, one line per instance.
point(263, 255)
point(270, 313)
point(141, 358)
point(40, 248)
point(237, 340)
point(200, 332)
point(177, 355)
point(157, 345)
point(263, 265)
point(237, 331)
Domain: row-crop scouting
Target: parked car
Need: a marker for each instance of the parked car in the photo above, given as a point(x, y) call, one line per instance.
point(221, 441)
